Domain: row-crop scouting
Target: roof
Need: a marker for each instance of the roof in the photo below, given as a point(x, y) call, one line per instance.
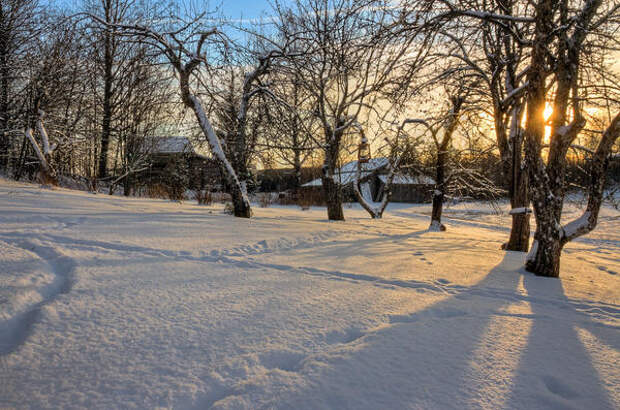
point(346, 174)
point(409, 180)
point(175, 145)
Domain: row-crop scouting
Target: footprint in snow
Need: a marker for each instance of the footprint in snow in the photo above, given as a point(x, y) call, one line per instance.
point(343, 337)
point(559, 388)
point(286, 360)
point(607, 270)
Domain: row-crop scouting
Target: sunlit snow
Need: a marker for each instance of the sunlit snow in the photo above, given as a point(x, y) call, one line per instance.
point(110, 302)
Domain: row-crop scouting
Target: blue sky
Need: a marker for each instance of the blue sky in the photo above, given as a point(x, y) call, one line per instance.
point(231, 8)
point(245, 8)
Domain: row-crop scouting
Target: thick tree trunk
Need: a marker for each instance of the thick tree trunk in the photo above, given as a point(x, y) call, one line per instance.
point(241, 207)
point(331, 187)
point(544, 258)
point(436, 224)
point(333, 198)
point(519, 240)
point(127, 186)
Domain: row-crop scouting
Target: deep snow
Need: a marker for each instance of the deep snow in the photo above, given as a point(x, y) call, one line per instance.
point(110, 302)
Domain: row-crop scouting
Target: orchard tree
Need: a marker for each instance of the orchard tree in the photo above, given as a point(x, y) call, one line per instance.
point(18, 28)
point(196, 54)
point(54, 91)
point(560, 37)
point(350, 59)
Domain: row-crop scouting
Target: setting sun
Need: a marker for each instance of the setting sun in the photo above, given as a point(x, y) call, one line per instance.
point(546, 115)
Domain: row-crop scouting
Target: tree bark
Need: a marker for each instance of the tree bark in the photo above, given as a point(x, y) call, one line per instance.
point(107, 103)
point(439, 192)
point(333, 198)
point(331, 187)
point(4, 103)
point(544, 258)
point(241, 206)
point(519, 240)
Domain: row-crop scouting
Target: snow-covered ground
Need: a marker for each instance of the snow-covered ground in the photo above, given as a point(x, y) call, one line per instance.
point(110, 302)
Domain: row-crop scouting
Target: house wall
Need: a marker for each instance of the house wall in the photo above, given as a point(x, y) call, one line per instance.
point(400, 193)
point(411, 193)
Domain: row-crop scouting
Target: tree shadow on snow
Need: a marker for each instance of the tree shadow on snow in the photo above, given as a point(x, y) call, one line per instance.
point(556, 370)
point(466, 351)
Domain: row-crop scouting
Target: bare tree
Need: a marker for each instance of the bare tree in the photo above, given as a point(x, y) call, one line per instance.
point(288, 124)
point(560, 36)
point(54, 89)
point(191, 51)
point(145, 95)
point(349, 61)
point(18, 26)
point(110, 53)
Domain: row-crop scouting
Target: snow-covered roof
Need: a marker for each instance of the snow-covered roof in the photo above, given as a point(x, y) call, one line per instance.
point(409, 180)
point(314, 182)
point(349, 169)
point(175, 145)
point(346, 174)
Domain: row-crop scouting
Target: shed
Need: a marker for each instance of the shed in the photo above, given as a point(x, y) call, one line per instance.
point(405, 188)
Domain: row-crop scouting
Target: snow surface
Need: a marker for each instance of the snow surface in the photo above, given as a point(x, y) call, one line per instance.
point(110, 302)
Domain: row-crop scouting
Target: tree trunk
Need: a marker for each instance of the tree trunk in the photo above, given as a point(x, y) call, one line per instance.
point(241, 203)
point(519, 200)
point(519, 240)
point(436, 224)
point(4, 110)
point(333, 198)
point(127, 186)
point(21, 160)
point(544, 258)
point(438, 193)
point(241, 207)
point(331, 187)
point(297, 169)
point(107, 105)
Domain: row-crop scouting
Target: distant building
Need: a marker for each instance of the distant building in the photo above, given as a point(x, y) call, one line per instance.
point(405, 188)
point(177, 158)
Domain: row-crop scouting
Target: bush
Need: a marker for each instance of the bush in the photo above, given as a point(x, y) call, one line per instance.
point(164, 191)
point(203, 197)
point(265, 199)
